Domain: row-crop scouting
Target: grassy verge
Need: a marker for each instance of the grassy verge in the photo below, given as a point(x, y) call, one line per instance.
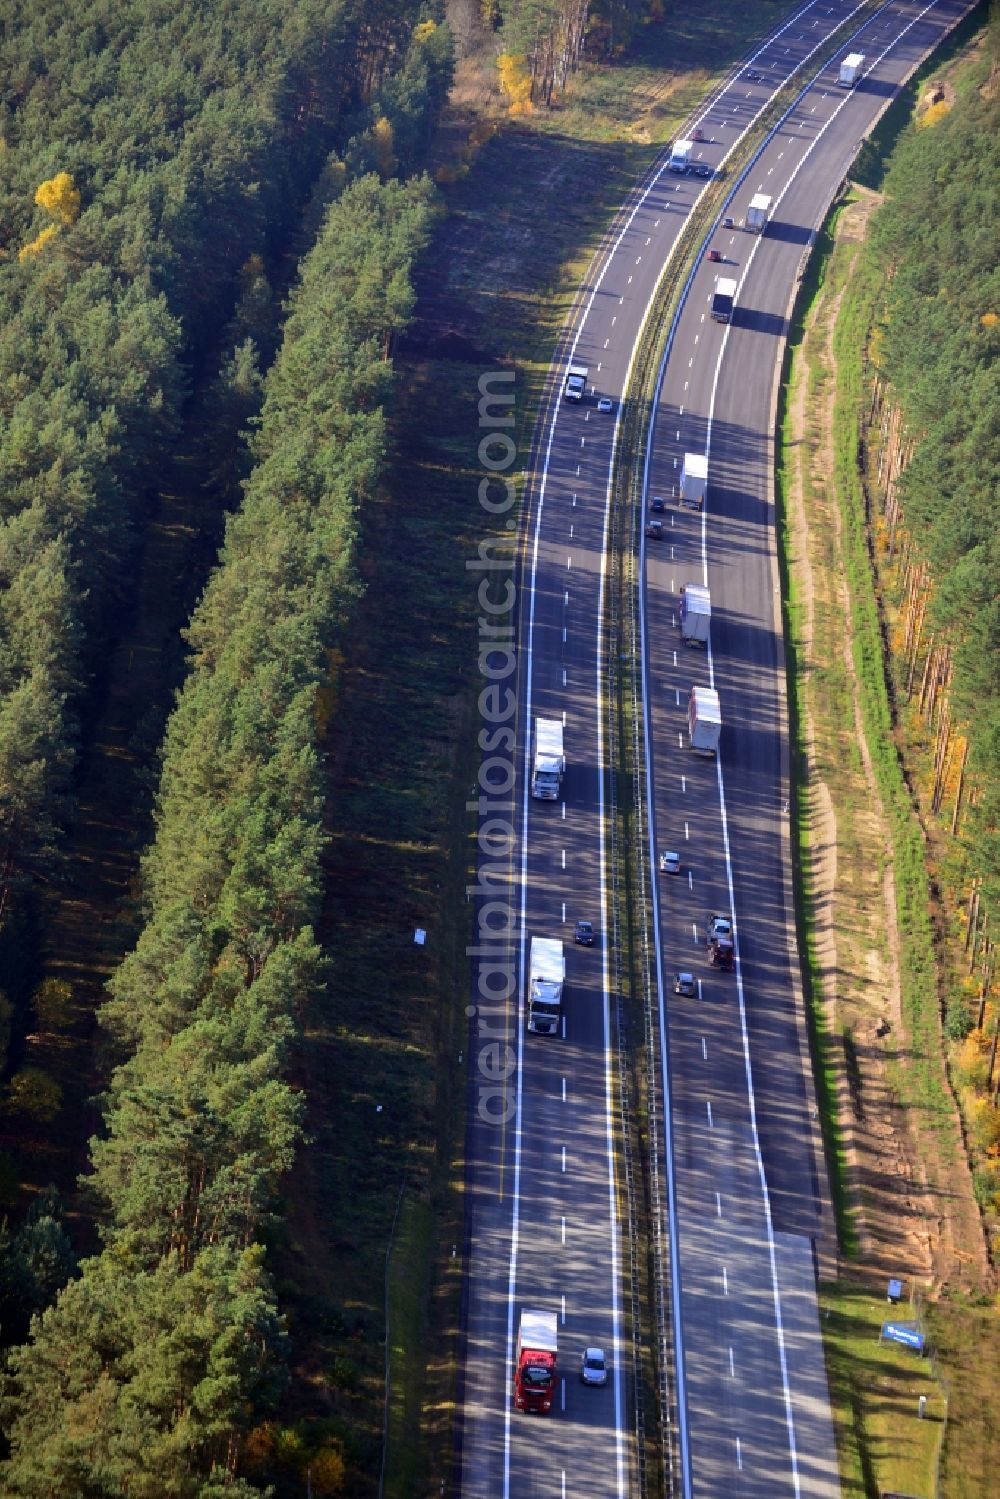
point(875, 1388)
point(381, 1067)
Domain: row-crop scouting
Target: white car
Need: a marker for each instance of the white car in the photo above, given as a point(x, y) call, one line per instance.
point(594, 1366)
point(686, 984)
point(670, 863)
point(605, 404)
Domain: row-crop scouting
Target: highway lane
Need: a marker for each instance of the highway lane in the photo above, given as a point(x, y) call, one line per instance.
point(740, 1106)
point(543, 1227)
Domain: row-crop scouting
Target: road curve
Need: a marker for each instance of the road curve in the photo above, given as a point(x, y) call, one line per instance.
point(543, 1226)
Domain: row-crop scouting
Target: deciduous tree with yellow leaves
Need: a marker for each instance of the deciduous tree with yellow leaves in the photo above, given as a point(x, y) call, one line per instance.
point(61, 197)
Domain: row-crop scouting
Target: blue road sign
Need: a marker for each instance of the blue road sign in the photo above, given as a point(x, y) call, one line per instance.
point(904, 1332)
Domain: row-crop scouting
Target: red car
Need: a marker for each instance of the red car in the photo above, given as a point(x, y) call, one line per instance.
point(698, 134)
point(715, 254)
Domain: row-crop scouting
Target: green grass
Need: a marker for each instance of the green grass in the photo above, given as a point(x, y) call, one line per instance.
point(882, 1443)
point(522, 226)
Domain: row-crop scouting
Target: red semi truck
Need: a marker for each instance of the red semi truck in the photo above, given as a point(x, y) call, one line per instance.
point(535, 1362)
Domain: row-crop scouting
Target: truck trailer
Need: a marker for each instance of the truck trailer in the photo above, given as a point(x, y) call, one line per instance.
point(696, 613)
point(576, 382)
point(704, 720)
point(680, 156)
point(722, 299)
point(694, 480)
point(850, 69)
point(548, 766)
point(535, 1362)
point(546, 975)
point(758, 213)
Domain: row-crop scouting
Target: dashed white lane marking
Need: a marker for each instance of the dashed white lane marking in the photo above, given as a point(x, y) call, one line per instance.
point(718, 1199)
point(564, 819)
point(691, 887)
point(687, 833)
point(565, 598)
point(562, 1394)
point(739, 1455)
point(564, 903)
point(564, 1158)
point(564, 1090)
point(677, 697)
point(564, 858)
point(686, 384)
point(708, 1105)
point(614, 319)
point(704, 1049)
point(649, 237)
point(606, 342)
point(732, 1365)
point(569, 563)
point(725, 1282)
point(690, 363)
point(564, 684)
point(564, 1230)
point(629, 281)
point(694, 931)
point(684, 779)
point(562, 1300)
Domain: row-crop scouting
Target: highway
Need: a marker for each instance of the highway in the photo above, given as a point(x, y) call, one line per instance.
point(544, 1226)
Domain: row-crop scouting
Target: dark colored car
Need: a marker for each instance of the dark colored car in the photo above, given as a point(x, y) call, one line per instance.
point(715, 254)
point(584, 933)
point(702, 169)
point(658, 504)
point(753, 76)
point(654, 528)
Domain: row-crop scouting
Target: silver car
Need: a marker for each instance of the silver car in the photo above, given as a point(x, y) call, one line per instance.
point(594, 1366)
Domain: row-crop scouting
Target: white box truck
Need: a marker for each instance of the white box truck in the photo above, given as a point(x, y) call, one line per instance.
point(546, 975)
point(694, 480)
point(548, 765)
point(722, 299)
point(758, 213)
point(696, 614)
point(850, 69)
point(576, 382)
point(680, 156)
point(704, 720)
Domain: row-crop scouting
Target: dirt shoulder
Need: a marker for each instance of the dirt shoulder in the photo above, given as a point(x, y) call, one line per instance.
point(915, 1212)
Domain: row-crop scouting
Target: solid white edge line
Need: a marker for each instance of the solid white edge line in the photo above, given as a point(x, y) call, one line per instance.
point(515, 1214)
point(765, 1195)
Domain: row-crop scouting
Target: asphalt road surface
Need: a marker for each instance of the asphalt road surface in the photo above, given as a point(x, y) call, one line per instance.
point(544, 1226)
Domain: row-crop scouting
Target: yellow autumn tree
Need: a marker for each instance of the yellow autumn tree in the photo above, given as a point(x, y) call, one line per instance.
point(39, 243)
point(385, 156)
point(424, 31)
point(60, 197)
point(515, 81)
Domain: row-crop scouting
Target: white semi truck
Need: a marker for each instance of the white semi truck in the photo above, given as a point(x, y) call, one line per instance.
point(758, 213)
point(704, 720)
point(696, 614)
point(680, 156)
point(850, 69)
point(694, 480)
point(546, 976)
point(576, 382)
point(723, 298)
point(548, 765)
